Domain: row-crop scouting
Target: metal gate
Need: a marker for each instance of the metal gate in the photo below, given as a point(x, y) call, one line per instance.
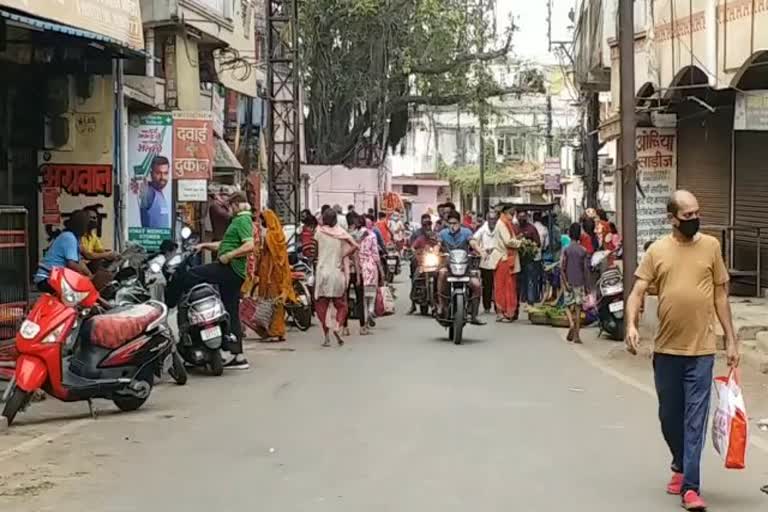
point(14, 280)
point(750, 198)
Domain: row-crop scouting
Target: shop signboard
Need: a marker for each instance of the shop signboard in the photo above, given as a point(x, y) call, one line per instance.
point(149, 205)
point(119, 20)
point(751, 111)
point(192, 190)
point(193, 145)
point(657, 175)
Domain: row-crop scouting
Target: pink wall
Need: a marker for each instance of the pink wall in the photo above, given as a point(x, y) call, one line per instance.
point(426, 198)
point(336, 184)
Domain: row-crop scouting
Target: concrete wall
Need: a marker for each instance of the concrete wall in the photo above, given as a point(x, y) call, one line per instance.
point(91, 143)
point(428, 197)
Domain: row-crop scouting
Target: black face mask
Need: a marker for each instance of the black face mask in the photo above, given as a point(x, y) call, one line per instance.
point(93, 224)
point(688, 228)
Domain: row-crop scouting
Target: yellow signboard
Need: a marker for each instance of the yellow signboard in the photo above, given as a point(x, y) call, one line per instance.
point(118, 19)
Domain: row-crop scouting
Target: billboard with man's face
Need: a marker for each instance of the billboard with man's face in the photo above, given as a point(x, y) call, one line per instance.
point(149, 208)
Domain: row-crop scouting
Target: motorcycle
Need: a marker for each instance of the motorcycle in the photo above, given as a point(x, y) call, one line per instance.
point(74, 347)
point(203, 322)
point(300, 312)
point(393, 263)
point(610, 301)
point(423, 289)
point(458, 312)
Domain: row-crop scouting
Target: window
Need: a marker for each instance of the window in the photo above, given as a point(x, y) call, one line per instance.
point(412, 190)
point(518, 146)
point(500, 146)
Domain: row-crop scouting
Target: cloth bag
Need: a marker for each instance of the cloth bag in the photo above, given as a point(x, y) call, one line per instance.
point(729, 424)
point(385, 302)
point(257, 313)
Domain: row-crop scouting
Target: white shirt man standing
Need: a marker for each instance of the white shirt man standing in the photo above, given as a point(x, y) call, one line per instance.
point(486, 237)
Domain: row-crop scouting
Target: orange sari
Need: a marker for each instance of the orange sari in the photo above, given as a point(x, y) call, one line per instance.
point(274, 273)
point(505, 280)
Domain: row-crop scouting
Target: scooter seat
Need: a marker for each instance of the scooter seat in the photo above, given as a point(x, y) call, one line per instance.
point(201, 291)
point(120, 325)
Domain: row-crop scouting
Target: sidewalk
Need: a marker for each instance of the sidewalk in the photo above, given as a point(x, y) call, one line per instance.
point(750, 320)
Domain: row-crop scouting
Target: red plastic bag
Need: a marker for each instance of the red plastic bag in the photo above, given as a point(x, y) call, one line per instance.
point(729, 425)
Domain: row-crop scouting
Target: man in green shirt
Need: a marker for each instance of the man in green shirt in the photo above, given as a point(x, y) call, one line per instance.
point(229, 272)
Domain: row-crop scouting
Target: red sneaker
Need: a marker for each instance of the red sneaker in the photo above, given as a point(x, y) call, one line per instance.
point(692, 501)
point(675, 485)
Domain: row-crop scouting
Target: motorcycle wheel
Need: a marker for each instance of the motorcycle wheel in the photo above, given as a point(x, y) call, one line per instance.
point(424, 310)
point(458, 320)
point(177, 370)
point(390, 277)
point(216, 364)
point(302, 318)
point(17, 401)
point(129, 403)
point(617, 334)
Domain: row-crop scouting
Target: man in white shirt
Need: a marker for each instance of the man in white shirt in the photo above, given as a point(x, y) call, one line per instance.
point(486, 238)
point(341, 219)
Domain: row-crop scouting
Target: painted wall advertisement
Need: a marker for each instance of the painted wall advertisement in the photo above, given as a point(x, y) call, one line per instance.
point(657, 174)
point(149, 208)
point(66, 188)
point(193, 145)
point(552, 174)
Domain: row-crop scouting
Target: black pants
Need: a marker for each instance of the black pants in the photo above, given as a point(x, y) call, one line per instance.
point(359, 301)
point(487, 276)
point(229, 284)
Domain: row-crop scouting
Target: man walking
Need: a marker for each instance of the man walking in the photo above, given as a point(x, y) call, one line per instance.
point(489, 258)
point(688, 272)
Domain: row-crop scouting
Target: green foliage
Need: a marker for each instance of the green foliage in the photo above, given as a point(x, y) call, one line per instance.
point(366, 62)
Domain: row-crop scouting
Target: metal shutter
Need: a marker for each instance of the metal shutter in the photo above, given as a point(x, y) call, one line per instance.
point(751, 197)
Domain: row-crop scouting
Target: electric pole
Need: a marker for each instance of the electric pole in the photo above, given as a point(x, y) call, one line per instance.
point(628, 157)
point(480, 195)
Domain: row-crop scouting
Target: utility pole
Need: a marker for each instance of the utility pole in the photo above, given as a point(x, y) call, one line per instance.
point(628, 157)
point(481, 195)
point(591, 166)
point(549, 126)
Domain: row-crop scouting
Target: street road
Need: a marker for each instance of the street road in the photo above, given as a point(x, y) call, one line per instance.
point(400, 421)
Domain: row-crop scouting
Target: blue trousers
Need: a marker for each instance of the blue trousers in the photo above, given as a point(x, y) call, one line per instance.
point(529, 282)
point(684, 386)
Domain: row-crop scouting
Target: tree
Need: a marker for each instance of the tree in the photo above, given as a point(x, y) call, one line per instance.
point(366, 62)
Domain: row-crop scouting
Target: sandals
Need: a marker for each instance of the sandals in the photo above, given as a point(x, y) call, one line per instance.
point(570, 335)
point(339, 339)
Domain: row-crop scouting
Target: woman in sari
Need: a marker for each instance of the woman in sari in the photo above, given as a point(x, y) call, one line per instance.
point(334, 247)
point(505, 277)
point(274, 275)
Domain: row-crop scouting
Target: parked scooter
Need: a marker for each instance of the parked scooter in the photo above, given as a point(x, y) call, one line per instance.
point(458, 312)
point(300, 312)
point(133, 290)
point(75, 348)
point(610, 301)
point(203, 322)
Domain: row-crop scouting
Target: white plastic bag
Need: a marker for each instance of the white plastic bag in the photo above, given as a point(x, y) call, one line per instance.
point(729, 424)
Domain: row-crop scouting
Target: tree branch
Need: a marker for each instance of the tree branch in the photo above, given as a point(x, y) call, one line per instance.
point(466, 58)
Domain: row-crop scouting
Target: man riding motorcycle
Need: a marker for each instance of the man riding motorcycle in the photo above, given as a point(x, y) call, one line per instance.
point(455, 237)
point(422, 239)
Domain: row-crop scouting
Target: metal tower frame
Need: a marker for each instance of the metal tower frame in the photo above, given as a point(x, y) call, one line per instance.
point(282, 119)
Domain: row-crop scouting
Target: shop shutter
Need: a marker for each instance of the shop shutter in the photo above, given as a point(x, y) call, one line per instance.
point(751, 198)
point(704, 159)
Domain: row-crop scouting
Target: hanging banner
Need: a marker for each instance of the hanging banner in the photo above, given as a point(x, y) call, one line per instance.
point(118, 19)
point(193, 148)
point(657, 175)
point(149, 205)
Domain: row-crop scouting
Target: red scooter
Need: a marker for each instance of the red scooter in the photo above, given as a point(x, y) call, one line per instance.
point(75, 348)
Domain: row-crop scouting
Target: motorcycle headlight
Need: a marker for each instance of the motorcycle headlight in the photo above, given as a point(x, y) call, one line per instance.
point(431, 260)
point(458, 269)
point(70, 297)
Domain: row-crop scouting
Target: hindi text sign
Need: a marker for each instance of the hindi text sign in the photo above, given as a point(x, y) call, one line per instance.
point(657, 175)
point(193, 145)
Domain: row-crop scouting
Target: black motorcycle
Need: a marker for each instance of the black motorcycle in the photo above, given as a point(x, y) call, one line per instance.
point(458, 313)
point(423, 289)
point(393, 263)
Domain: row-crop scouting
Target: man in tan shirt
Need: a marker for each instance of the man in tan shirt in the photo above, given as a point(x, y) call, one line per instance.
point(687, 269)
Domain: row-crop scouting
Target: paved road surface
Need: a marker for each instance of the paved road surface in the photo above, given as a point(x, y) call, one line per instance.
point(401, 421)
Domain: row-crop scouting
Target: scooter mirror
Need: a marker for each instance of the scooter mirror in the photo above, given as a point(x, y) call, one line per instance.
point(186, 232)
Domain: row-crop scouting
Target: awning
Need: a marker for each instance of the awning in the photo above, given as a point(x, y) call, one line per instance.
point(31, 22)
point(224, 158)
